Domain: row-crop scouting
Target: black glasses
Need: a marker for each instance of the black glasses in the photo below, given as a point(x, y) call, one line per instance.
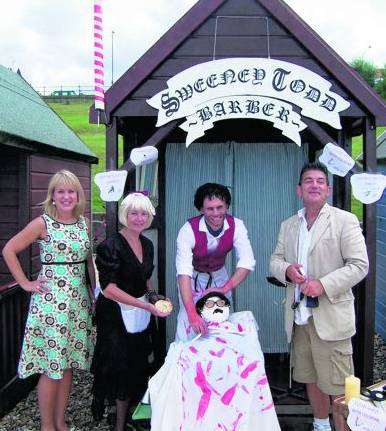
point(210, 303)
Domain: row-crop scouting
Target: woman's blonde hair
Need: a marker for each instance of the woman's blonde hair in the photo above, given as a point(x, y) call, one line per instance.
point(135, 202)
point(64, 178)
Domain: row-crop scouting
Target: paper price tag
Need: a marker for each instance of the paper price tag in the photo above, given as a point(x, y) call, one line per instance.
point(338, 162)
point(111, 184)
point(368, 188)
point(143, 155)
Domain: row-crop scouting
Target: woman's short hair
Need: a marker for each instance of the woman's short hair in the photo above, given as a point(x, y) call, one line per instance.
point(135, 202)
point(64, 178)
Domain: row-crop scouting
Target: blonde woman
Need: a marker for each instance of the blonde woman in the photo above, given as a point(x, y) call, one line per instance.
point(125, 264)
point(57, 334)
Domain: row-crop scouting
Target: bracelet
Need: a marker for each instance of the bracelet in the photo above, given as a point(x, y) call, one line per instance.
point(152, 296)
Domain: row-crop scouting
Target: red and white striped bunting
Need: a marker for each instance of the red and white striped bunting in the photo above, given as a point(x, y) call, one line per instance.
point(99, 93)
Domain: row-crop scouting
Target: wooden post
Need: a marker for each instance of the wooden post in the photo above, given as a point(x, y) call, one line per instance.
point(162, 238)
point(366, 292)
point(111, 165)
point(341, 187)
point(130, 141)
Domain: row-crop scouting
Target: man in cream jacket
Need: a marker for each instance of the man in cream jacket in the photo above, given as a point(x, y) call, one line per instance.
point(320, 255)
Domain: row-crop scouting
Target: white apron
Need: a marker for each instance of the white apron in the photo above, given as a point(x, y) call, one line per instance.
point(135, 319)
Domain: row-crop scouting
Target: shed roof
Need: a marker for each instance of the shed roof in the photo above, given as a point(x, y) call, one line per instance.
point(181, 30)
point(381, 146)
point(24, 114)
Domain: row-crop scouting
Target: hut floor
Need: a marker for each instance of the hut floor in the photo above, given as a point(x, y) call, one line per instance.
point(293, 409)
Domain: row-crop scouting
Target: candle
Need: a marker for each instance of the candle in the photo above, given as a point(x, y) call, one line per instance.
point(352, 388)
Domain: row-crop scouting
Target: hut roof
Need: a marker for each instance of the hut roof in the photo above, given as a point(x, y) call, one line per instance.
point(24, 114)
point(201, 11)
point(381, 146)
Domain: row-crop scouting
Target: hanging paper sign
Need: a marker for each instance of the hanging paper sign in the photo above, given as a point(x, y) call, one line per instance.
point(338, 162)
point(218, 79)
point(143, 155)
point(111, 184)
point(363, 416)
point(264, 108)
point(368, 188)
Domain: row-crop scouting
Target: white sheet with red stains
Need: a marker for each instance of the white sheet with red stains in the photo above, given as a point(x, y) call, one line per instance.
point(215, 383)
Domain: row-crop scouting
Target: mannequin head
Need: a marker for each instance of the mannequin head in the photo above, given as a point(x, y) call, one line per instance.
point(213, 307)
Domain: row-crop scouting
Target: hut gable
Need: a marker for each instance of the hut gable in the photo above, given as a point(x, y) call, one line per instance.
point(24, 116)
point(238, 28)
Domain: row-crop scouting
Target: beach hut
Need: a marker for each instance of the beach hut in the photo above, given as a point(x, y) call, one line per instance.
point(34, 143)
point(226, 79)
point(380, 298)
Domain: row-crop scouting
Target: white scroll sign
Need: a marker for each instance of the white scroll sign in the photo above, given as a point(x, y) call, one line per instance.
point(143, 155)
point(368, 188)
point(336, 159)
point(111, 184)
point(363, 416)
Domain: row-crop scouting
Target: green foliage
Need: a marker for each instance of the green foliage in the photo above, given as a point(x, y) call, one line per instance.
point(366, 69)
point(75, 115)
point(380, 85)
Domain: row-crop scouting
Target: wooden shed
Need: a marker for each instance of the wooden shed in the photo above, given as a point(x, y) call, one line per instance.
point(34, 143)
point(380, 298)
point(252, 157)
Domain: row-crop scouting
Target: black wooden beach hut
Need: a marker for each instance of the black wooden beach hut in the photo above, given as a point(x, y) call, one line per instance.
point(34, 143)
point(250, 156)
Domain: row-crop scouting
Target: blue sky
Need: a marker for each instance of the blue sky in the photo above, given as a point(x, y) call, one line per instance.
point(51, 40)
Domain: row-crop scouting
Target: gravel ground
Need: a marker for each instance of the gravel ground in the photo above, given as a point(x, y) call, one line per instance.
point(25, 416)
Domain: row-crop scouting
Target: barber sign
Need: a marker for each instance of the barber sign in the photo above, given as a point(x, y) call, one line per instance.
point(258, 88)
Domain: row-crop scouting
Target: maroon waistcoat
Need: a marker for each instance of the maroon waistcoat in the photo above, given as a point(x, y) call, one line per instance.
point(204, 261)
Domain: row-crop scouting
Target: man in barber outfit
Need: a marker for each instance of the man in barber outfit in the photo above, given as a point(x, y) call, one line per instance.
point(320, 255)
point(203, 243)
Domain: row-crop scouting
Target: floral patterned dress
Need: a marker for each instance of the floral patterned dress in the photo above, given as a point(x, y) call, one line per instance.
point(58, 329)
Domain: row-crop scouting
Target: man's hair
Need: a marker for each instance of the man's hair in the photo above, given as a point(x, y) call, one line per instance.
point(210, 191)
point(201, 302)
point(314, 166)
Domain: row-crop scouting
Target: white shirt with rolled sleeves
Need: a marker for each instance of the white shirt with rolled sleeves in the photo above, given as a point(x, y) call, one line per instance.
point(184, 257)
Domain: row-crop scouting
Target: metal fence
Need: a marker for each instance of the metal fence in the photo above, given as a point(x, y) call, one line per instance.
point(66, 90)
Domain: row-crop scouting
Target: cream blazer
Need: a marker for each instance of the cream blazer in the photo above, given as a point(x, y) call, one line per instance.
point(337, 257)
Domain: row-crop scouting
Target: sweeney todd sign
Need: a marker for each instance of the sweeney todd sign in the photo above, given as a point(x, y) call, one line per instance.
point(258, 88)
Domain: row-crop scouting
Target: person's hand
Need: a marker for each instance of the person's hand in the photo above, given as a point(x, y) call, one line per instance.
point(197, 323)
point(294, 274)
point(40, 285)
point(216, 290)
point(313, 288)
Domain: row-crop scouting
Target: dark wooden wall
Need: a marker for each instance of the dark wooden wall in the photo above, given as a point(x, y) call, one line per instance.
point(11, 199)
point(243, 35)
point(380, 304)
point(24, 180)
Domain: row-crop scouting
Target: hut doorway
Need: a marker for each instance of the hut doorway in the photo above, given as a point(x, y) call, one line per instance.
point(262, 179)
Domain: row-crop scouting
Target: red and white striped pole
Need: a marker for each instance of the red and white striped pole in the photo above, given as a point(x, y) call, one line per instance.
point(99, 93)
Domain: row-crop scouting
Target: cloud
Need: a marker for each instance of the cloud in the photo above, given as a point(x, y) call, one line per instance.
point(51, 40)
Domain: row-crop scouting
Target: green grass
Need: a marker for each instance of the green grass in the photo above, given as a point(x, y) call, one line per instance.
point(75, 115)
